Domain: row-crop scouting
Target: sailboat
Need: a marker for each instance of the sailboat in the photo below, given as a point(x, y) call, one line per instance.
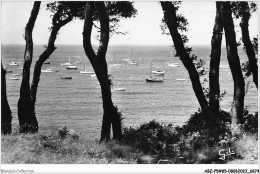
point(132, 61)
point(67, 63)
point(153, 79)
point(13, 63)
point(71, 66)
point(85, 71)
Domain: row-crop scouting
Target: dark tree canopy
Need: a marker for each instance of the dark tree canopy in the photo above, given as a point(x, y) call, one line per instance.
point(116, 10)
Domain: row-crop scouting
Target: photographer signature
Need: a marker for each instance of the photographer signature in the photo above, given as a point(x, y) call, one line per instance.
point(223, 153)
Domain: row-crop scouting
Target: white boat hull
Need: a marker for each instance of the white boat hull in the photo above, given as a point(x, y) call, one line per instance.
point(66, 64)
point(16, 74)
point(71, 67)
point(154, 80)
point(119, 89)
point(47, 71)
point(86, 72)
point(173, 64)
point(158, 72)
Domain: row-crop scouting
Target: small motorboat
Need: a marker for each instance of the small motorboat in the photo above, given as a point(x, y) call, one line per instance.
point(173, 64)
point(132, 62)
point(119, 89)
point(158, 72)
point(93, 75)
point(72, 67)
point(48, 70)
point(86, 72)
point(116, 65)
point(126, 60)
point(14, 78)
point(66, 64)
point(154, 80)
point(66, 78)
point(180, 79)
point(48, 62)
point(16, 74)
point(13, 63)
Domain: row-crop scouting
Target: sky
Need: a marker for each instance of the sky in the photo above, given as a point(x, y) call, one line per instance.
point(144, 29)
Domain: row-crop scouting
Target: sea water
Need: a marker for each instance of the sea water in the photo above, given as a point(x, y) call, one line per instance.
point(77, 103)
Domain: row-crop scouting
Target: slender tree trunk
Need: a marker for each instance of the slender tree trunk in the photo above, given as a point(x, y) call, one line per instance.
point(26, 115)
point(57, 24)
point(6, 114)
point(171, 21)
point(99, 64)
point(247, 42)
point(234, 63)
point(215, 61)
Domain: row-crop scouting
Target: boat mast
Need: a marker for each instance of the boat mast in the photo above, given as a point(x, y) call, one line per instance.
point(151, 69)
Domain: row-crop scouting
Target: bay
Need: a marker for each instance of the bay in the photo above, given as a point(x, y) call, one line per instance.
point(77, 103)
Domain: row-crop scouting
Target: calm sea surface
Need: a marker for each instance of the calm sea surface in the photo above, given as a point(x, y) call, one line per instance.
point(77, 103)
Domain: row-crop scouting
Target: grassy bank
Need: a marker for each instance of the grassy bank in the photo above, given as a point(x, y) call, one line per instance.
point(53, 147)
point(152, 142)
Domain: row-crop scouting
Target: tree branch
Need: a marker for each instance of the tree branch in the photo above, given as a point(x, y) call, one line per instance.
point(87, 30)
point(104, 25)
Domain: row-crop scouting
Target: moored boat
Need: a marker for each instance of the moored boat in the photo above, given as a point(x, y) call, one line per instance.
point(154, 80)
point(158, 72)
point(119, 89)
point(14, 78)
point(66, 78)
point(48, 70)
point(72, 67)
point(173, 64)
point(16, 74)
point(13, 63)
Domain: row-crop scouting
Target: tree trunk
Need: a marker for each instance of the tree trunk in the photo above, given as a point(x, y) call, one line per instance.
point(6, 114)
point(27, 119)
point(247, 42)
point(98, 61)
point(57, 24)
point(214, 89)
point(171, 21)
point(234, 63)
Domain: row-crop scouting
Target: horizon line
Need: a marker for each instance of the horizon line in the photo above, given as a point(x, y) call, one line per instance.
point(171, 45)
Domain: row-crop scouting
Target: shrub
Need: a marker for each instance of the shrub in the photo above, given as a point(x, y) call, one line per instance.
point(249, 122)
point(152, 137)
point(199, 124)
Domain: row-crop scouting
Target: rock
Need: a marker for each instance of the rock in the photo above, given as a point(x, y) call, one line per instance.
point(180, 160)
point(73, 134)
point(147, 159)
point(164, 161)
